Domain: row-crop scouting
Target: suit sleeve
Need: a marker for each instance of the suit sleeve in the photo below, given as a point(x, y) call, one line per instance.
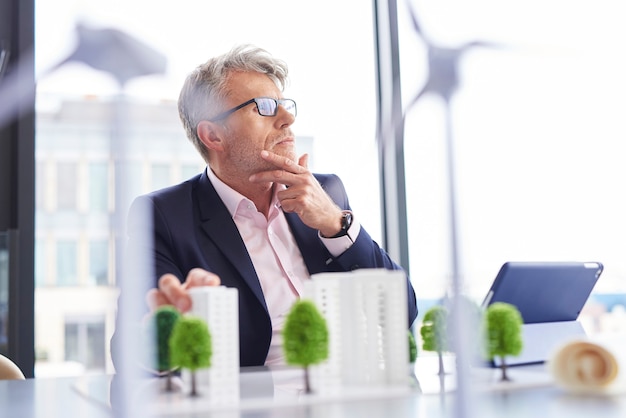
point(365, 252)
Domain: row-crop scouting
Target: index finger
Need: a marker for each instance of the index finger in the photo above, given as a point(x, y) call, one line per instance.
point(304, 161)
point(173, 291)
point(282, 162)
point(200, 277)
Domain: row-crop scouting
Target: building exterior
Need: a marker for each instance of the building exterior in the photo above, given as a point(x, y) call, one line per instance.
point(219, 307)
point(366, 315)
point(75, 243)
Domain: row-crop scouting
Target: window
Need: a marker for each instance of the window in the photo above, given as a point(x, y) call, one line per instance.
point(74, 118)
point(99, 262)
point(134, 180)
point(189, 170)
point(66, 263)
point(537, 137)
point(160, 176)
point(66, 186)
point(98, 187)
point(40, 263)
point(85, 343)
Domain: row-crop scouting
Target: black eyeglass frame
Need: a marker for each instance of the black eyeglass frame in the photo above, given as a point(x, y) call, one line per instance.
point(281, 102)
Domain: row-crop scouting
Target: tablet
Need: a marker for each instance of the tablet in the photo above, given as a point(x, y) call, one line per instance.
point(545, 291)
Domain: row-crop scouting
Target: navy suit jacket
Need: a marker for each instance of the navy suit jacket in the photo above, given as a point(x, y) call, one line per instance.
point(193, 228)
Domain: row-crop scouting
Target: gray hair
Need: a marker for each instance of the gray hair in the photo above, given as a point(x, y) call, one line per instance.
point(205, 89)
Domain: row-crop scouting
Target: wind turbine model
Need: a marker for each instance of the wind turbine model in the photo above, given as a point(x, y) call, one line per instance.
point(442, 81)
point(123, 57)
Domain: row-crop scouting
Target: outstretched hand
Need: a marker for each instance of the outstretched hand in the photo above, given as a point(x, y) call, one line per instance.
point(304, 195)
point(172, 292)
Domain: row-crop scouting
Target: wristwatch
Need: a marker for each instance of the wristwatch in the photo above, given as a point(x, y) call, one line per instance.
point(346, 222)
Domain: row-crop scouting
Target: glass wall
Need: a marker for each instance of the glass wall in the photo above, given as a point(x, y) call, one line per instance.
point(535, 126)
point(537, 136)
point(332, 71)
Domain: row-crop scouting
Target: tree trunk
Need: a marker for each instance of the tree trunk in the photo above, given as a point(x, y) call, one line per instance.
point(441, 370)
point(442, 384)
point(168, 381)
point(505, 377)
point(307, 383)
point(194, 391)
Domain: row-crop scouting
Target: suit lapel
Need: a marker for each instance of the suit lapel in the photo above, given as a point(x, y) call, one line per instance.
point(219, 226)
point(313, 251)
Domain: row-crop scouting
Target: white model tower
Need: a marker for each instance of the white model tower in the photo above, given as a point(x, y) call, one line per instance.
point(219, 307)
point(366, 313)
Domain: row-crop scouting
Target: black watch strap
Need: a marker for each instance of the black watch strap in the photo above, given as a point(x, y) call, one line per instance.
point(346, 222)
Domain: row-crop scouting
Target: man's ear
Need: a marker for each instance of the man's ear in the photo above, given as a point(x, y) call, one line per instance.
point(210, 134)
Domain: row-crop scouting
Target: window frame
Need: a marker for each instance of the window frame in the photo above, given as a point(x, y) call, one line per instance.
point(18, 26)
point(17, 168)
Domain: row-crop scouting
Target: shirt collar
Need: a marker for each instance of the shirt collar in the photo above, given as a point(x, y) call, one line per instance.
point(232, 198)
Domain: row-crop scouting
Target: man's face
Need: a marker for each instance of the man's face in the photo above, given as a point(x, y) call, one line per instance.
point(247, 133)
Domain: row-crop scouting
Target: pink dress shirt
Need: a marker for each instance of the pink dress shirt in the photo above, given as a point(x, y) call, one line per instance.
point(275, 255)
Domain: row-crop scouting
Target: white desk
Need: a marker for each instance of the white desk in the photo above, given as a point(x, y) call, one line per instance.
point(52, 397)
point(530, 394)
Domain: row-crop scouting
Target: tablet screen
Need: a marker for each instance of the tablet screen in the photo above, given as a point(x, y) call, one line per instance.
point(545, 291)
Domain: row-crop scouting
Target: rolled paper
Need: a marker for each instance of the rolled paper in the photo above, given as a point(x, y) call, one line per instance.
point(590, 366)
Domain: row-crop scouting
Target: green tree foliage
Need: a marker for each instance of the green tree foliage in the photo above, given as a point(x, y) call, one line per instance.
point(504, 332)
point(412, 348)
point(190, 346)
point(434, 332)
point(161, 325)
point(163, 321)
point(305, 337)
point(434, 329)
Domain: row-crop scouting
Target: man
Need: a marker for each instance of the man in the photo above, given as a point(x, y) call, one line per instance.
point(256, 219)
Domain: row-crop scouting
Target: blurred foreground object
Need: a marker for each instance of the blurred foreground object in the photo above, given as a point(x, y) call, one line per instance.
point(110, 50)
point(591, 366)
point(115, 52)
point(503, 323)
point(9, 370)
point(435, 335)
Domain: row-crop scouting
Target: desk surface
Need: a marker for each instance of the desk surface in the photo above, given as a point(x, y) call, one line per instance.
point(530, 393)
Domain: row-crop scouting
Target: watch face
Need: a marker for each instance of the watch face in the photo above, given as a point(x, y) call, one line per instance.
point(346, 221)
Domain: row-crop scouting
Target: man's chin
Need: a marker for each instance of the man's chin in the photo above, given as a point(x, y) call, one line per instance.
point(286, 151)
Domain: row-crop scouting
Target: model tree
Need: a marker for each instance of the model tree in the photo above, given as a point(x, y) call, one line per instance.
point(305, 337)
point(412, 348)
point(504, 333)
point(190, 346)
point(434, 332)
point(161, 326)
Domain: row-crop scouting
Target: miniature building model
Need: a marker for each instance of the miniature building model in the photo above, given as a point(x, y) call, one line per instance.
point(366, 314)
point(219, 307)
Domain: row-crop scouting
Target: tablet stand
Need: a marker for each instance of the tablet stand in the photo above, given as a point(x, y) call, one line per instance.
point(542, 339)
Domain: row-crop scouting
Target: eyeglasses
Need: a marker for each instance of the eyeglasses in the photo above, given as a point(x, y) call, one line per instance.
point(266, 106)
